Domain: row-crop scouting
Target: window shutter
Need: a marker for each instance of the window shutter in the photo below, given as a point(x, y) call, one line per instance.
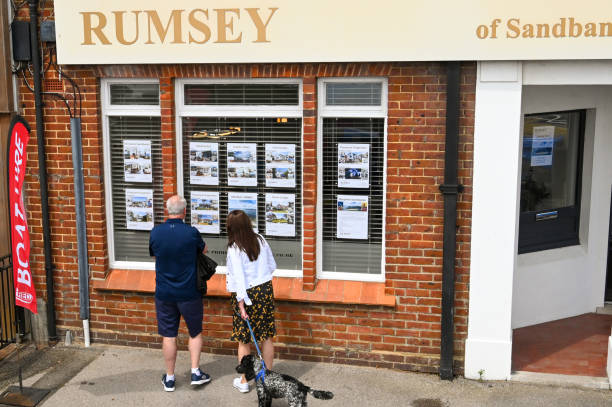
point(133, 245)
point(268, 129)
point(351, 255)
point(134, 94)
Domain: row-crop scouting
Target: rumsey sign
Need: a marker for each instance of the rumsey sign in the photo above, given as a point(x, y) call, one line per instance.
point(25, 295)
point(243, 31)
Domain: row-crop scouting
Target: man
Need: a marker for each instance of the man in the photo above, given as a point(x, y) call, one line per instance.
point(175, 245)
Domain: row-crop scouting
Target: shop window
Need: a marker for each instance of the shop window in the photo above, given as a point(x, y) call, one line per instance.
point(133, 169)
point(240, 147)
point(551, 180)
point(352, 123)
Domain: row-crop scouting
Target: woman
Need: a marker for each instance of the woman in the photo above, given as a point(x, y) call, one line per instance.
point(250, 265)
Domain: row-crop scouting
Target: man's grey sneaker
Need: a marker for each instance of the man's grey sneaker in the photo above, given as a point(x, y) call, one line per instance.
point(168, 384)
point(200, 378)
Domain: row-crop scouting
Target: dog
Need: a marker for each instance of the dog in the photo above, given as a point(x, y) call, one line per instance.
point(277, 385)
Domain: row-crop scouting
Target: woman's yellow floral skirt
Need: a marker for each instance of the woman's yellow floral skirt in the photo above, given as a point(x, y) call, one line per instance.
point(261, 315)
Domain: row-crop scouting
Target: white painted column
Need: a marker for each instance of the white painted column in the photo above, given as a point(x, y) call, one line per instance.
point(495, 207)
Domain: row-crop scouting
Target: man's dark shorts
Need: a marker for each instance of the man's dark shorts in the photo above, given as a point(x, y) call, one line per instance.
point(169, 315)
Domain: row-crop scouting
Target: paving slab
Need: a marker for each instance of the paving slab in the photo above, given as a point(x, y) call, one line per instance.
point(121, 376)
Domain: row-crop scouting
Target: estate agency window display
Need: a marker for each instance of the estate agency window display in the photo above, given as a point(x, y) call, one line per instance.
point(132, 145)
point(241, 149)
point(352, 123)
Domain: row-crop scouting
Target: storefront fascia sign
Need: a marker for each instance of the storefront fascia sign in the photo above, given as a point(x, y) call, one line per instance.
point(261, 31)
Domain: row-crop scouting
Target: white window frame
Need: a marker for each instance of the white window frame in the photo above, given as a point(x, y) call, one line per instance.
point(325, 111)
point(183, 110)
point(109, 110)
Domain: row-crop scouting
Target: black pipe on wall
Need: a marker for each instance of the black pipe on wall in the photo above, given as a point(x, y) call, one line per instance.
point(42, 168)
point(450, 189)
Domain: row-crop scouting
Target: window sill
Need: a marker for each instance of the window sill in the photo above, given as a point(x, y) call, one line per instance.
point(285, 289)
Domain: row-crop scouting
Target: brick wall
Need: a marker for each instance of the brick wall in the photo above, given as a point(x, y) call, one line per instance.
point(406, 337)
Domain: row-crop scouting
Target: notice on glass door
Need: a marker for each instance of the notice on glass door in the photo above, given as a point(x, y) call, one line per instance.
point(353, 165)
point(137, 161)
point(205, 211)
point(352, 219)
point(280, 215)
point(203, 163)
point(242, 164)
point(542, 146)
point(139, 209)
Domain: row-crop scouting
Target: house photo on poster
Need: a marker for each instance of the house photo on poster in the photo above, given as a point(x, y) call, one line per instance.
point(203, 163)
point(137, 161)
point(352, 220)
point(139, 209)
point(242, 164)
point(205, 211)
point(280, 165)
point(353, 165)
point(246, 202)
point(280, 215)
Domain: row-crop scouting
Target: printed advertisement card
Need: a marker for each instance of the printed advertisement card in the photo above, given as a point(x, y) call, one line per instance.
point(139, 209)
point(352, 220)
point(353, 165)
point(280, 215)
point(205, 211)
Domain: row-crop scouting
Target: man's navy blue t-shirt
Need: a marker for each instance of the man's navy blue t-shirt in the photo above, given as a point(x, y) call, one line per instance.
point(175, 246)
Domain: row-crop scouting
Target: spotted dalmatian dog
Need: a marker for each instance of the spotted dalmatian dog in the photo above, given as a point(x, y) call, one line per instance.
point(277, 385)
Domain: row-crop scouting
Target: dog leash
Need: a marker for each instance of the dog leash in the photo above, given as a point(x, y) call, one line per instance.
point(262, 373)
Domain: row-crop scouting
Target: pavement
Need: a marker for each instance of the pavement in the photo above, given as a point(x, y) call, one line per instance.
point(104, 375)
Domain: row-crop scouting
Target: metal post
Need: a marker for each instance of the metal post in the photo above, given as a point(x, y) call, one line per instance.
point(79, 202)
point(42, 168)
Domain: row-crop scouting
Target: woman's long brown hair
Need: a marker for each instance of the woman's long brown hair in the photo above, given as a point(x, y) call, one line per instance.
point(240, 232)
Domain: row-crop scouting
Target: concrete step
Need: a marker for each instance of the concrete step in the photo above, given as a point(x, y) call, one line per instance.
point(606, 309)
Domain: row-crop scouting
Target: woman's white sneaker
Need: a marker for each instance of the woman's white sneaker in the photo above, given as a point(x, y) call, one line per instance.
point(242, 387)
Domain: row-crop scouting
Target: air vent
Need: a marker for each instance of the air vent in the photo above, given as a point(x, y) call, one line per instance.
point(53, 85)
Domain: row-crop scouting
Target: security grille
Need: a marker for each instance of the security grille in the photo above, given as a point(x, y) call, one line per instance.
point(241, 94)
point(353, 93)
point(353, 255)
point(261, 131)
point(133, 245)
point(136, 94)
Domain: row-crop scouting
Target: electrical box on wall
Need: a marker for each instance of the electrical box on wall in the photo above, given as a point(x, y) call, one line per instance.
point(47, 31)
point(21, 41)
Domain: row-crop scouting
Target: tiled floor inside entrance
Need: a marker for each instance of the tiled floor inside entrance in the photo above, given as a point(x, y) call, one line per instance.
point(570, 346)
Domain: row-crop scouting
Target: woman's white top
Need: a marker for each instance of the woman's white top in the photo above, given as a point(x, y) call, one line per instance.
point(243, 273)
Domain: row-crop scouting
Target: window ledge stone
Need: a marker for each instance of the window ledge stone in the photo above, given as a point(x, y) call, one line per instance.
point(285, 288)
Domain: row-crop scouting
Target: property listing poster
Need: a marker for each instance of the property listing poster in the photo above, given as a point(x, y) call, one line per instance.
point(139, 209)
point(542, 146)
point(205, 211)
point(353, 165)
point(203, 163)
point(137, 161)
point(242, 164)
point(352, 220)
point(280, 215)
point(245, 201)
point(280, 165)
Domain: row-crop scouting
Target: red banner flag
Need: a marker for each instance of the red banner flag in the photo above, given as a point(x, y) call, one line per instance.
point(25, 295)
